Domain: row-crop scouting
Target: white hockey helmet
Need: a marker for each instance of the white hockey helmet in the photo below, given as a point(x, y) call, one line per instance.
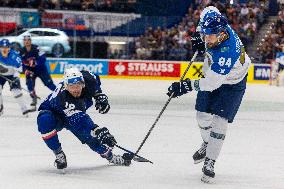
point(73, 76)
point(27, 37)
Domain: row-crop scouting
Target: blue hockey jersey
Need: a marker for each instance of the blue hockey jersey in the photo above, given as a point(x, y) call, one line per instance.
point(34, 60)
point(70, 109)
point(12, 62)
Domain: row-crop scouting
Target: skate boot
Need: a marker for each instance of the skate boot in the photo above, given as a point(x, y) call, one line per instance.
point(34, 102)
point(208, 171)
point(118, 160)
point(60, 161)
point(1, 109)
point(124, 160)
point(25, 113)
point(200, 154)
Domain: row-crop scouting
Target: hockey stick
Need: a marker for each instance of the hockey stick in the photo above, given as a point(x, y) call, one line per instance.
point(10, 81)
point(165, 106)
point(135, 156)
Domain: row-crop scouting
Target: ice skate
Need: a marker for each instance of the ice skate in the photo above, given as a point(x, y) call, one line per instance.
point(208, 171)
point(200, 154)
point(34, 102)
point(116, 159)
point(60, 161)
point(27, 111)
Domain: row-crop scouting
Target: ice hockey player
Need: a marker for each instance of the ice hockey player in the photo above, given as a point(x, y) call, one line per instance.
point(221, 90)
point(10, 66)
point(34, 66)
point(66, 108)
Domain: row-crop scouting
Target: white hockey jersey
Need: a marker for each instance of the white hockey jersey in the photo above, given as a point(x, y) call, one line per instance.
point(227, 63)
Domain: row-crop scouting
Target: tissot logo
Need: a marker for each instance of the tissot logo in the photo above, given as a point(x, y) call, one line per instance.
point(52, 66)
point(120, 68)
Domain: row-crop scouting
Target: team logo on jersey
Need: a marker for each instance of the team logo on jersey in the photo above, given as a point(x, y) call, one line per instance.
point(70, 109)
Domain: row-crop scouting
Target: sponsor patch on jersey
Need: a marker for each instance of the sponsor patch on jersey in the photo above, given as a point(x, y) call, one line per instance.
point(225, 49)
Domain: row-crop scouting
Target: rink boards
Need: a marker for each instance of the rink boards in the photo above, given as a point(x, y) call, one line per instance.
point(142, 69)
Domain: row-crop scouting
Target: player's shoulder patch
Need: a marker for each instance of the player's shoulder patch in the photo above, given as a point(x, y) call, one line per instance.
point(225, 49)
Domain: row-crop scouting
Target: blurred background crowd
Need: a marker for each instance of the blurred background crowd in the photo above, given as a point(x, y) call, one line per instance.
point(155, 34)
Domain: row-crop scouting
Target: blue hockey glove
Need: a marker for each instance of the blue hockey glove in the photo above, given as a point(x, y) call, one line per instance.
point(104, 137)
point(179, 88)
point(197, 43)
point(102, 103)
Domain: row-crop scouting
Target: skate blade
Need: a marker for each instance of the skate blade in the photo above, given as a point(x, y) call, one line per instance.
point(141, 159)
point(206, 179)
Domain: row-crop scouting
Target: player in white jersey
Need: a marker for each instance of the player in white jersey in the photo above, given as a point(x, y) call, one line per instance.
point(221, 90)
point(10, 66)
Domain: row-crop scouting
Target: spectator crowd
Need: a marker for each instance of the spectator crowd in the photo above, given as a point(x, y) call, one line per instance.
point(174, 43)
point(89, 5)
point(273, 41)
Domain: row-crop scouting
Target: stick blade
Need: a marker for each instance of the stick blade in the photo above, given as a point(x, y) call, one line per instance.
point(141, 159)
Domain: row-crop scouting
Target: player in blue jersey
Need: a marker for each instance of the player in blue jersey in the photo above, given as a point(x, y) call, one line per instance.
point(66, 108)
point(10, 66)
point(34, 66)
point(221, 90)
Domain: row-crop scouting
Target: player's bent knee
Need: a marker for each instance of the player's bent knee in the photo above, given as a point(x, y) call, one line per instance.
point(219, 127)
point(46, 122)
point(204, 120)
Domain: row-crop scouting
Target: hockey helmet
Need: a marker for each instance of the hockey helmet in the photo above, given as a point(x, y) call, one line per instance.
point(73, 76)
point(5, 43)
point(27, 37)
point(213, 23)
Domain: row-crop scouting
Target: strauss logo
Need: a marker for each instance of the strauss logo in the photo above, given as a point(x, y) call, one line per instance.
point(119, 68)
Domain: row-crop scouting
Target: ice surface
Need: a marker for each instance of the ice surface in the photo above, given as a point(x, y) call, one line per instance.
point(252, 155)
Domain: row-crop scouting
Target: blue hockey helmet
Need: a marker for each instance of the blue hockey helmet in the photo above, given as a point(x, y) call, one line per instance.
point(73, 76)
point(5, 43)
point(213, 23)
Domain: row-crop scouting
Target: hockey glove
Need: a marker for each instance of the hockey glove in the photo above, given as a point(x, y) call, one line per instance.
point(3, 69)
point(29, 73)
point(104, 137)
point(179, 88)
point(16, 83)
point(102, 103)
point(197, 43)
point(127, 158)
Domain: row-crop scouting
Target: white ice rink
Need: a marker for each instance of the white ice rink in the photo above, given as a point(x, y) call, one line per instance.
point(252, 155)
